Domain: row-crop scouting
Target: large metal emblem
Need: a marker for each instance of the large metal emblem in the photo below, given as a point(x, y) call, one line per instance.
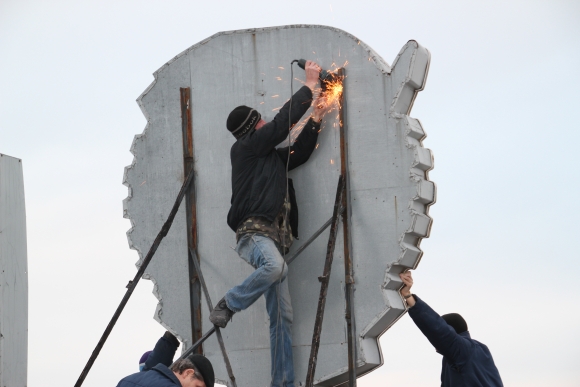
point(389, 192)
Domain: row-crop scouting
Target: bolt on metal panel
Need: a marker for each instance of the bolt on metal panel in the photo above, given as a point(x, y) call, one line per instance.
point(389, 190)
point(13, 275)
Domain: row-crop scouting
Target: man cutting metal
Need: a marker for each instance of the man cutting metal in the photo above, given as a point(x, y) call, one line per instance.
point(264, 213)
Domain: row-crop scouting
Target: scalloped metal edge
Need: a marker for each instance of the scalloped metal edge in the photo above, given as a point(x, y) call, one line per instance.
point(420, 228)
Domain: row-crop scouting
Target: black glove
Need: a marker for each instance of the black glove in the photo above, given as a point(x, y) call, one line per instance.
point(171, 339)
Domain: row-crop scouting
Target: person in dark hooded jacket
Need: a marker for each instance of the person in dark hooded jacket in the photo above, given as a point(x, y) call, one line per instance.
point(264, 213)
point(466, 362)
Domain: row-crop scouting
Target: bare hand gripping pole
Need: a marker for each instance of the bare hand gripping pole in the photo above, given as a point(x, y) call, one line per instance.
point(133, 283)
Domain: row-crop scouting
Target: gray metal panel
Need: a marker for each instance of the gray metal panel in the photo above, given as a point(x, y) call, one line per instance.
point(390, 192)
point(154, 179)
point(13, 275)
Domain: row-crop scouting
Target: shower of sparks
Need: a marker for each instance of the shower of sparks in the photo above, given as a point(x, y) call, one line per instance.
point(331, 161)
point(333, 93)
point(275, 96)
point(280, 67)
point(278, 78)
point(145, 181)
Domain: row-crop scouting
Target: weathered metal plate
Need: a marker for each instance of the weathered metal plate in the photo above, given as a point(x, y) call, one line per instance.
point(13, 275)
point(390, 191)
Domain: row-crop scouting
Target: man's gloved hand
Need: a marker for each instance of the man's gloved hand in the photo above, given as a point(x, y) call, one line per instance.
point(172, 339)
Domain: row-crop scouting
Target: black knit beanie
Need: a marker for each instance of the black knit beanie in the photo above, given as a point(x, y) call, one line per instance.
point(456, 321)
point(205, 368)
point(242, 120)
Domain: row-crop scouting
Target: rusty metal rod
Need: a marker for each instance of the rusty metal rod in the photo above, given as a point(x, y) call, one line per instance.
point(133, 283)
point(190, 213)
point(324, 280)
point(346, 217)
point(194, 258)
point(195, 345)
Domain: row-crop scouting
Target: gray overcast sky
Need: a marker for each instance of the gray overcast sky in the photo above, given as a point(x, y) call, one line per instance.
point(500, 108)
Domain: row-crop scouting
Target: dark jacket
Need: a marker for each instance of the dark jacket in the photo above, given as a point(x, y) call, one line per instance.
point(159, 376)
point(466, 362)
point(163, 353)
point(259, 169)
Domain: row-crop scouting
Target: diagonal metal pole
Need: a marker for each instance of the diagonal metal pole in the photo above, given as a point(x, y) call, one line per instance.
point(309, 241)
point(133, 283)
point(196, 345)
point(324, 280)
point(193, 257)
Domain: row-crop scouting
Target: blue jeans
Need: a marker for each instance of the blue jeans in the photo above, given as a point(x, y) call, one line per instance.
point(268, 279)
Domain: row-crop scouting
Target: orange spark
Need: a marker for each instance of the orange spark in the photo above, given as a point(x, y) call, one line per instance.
point(333, 91)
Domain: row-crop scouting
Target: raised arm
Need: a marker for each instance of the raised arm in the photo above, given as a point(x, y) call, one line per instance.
point(305, 144)
point(163, 352)
point(440, 334)
point(263, 140)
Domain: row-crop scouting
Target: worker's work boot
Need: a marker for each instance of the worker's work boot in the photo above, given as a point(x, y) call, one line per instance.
point(221, 314)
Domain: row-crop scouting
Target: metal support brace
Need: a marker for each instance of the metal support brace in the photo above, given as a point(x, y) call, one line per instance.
point(191, 214)
point(348, 265)
point(194, 259)
point(324, 280)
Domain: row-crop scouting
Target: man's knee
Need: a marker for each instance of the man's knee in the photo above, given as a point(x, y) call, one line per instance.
point(279, 269)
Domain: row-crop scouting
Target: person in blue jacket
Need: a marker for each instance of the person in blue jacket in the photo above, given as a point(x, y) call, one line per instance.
point(157, 370)
point(466, 362)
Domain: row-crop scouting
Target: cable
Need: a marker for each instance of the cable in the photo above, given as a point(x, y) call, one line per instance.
point(285, 218)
